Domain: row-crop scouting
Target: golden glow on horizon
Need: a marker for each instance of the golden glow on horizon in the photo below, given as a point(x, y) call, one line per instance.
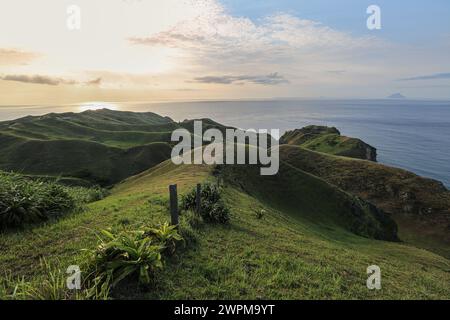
point(150, 50)
point(97, 105)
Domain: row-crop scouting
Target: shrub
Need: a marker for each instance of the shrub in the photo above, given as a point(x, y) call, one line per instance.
point(128, 254)
point(24, 201)
point(213, 209)
point(87, 195)
point(259, 213)
point(166, 235)
point(119, 256)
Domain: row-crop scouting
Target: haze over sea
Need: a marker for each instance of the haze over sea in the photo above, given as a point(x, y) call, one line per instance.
point(414, 135)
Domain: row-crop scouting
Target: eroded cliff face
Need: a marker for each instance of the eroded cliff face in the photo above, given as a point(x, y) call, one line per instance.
point(329, 140)
point(420, 206)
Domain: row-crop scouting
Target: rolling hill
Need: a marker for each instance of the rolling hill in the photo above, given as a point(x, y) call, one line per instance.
point(99, 147)
point(325, 219)
point(329, 140)
point(420, 206)
point(300, 254)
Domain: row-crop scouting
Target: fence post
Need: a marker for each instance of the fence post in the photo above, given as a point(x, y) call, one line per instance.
point(198, 198)
point(173, 204)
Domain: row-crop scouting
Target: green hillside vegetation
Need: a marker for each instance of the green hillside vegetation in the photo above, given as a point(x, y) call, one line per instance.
point(303, 195)
point(420, 206)
point(90, 161)
point(278, 255)
point(93, 147)
point(329, 140)
point(309, 232)
point(24, 201)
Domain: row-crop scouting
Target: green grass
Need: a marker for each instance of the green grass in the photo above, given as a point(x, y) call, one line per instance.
point(280, 256)
point(25, 201)
point(315, 239)
point(95, 147)
point(329, 140)
point(91, 161)
point(306, 196)
point(407, 197)
point(338, 145)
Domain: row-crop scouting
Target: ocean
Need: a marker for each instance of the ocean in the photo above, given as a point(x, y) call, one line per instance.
point(414, 135)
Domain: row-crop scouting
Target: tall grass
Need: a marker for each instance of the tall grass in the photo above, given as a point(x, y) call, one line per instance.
point(52, 285)
point(25, 201)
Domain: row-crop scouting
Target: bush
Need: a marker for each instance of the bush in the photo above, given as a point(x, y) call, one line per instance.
point(213, 209)
point(87, 195)
point(25, 201)
point(166, 235)
point(128, 254)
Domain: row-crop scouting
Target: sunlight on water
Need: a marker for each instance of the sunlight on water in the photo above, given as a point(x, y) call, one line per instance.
point(97, 105)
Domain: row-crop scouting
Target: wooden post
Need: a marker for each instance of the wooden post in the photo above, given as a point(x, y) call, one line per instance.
point(198, 198)
point(173, 204)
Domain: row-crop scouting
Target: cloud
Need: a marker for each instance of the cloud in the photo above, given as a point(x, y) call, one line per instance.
point(270, 79)
point(47, 80)
point(167, 38)
point(95, 82)
point(436, 76)
point(32, 79)
point(218, 40)
point(336, 72)
point(16, 57)
point(110, 79)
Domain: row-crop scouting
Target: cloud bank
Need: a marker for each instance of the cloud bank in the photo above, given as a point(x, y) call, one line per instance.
point(436, 76)
point(215, 42)
point(47, 80)
point(16, 57)
point(270, 79)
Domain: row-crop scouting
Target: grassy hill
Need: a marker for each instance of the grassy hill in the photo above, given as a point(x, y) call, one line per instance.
point(283, 255)
point(90, 161)
point(310, 198)
point(309, 232)
point(329, 140)
point(420, 206)
point(100, 147)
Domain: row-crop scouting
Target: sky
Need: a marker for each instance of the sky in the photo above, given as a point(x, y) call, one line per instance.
point(151, 50)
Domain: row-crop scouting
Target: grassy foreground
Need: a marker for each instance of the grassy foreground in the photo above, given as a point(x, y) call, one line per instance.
point(277, 256)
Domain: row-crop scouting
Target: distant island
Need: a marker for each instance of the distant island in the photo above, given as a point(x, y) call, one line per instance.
point(396, 96)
